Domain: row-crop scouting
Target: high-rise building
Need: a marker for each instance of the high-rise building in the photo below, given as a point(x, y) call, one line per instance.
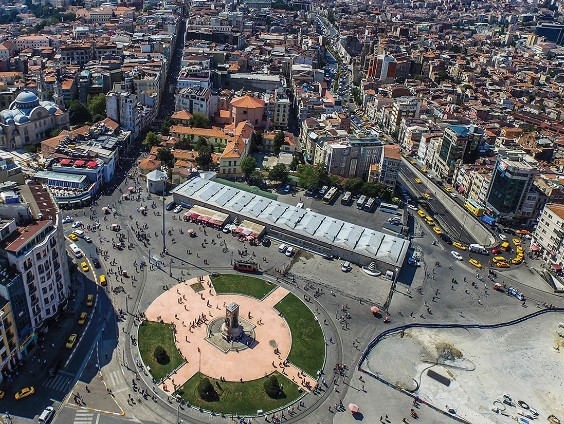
point(511, 195)
point(548, 237)
point(459, 143)
point(34, 244)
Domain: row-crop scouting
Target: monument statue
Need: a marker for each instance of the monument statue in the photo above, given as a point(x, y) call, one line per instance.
point(230, 327)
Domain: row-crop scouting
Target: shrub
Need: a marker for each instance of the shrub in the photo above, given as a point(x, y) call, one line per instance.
point(206, 390)
point(272, 387)
point(161, 356)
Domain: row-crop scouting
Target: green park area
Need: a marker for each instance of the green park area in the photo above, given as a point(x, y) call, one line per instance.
point(242, 284)
point(308, 344)
point(158, 350)
point(231, 397)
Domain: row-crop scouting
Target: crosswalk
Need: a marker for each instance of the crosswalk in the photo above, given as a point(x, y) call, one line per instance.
point(112, 379)
point(60, 383)
point(83, 416)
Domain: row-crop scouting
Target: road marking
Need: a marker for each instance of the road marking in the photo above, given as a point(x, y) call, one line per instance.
point(59, 383)
point(83, 416)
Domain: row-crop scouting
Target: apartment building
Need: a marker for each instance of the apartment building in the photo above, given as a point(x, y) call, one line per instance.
point(35, 247)
point(548, 237)
point(459, 144)
point(389, 166)
point(194, 99)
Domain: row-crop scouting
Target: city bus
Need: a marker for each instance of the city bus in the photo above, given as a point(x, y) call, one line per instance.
point(330, 195)
point(388, 208)
point(474, 208)
point(346, 198)
point(360, 202)
point(369, 205)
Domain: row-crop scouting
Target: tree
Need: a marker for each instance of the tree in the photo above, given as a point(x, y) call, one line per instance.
point(199, 120)
point(204, 158)
point(272, 387)
point(97, 105)
point(354, 185)
point(279, 172)
point(165, 155)
point(307, 176)
point(206, 390)
point(161, 356)
point(295, 163)
point(278, 142)
point(256, 178)
point(165, 129)
point(151, 139)
point(248, 165)
point(78, 113)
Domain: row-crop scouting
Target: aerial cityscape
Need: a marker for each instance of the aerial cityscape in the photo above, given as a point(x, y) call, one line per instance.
point(270, 211)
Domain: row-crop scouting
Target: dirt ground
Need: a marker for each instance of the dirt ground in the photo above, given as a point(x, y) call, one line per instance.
point(479, 367)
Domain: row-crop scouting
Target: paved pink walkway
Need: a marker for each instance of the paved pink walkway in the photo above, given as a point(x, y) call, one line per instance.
point(201, 355)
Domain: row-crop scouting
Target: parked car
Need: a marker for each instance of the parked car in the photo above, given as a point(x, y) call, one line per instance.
point(282, 248)
point(178, 209)
point(170, 206)
point(67, 219)
point(96, 263)
point(77, 224)
point(346, 266)
point(289, 251)
point(84, 266)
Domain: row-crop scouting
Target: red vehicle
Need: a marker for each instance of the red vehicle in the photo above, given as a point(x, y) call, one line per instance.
point(245, 266)
point(496, 250)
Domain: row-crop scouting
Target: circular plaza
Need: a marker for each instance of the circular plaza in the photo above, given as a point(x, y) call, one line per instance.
point(238, 333)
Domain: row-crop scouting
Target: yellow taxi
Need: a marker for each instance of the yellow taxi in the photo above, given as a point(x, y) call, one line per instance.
point(82, 318)
point(84, 266)
point(520, 249)
point(90, 300)
point(102, 280)
point(497, 259)
point(426, 195)
point(448, 189)
point(25, 392)
point(516, 242)
point(523, 232)
point(516, 260)
point(421, 213)
point(418, 181)
point(459, 245)
point(73, 236)
point(437, 230)
point(502, 265)
point(423, 169)
point(412, 162)
point(71, 341)
point(476, 263)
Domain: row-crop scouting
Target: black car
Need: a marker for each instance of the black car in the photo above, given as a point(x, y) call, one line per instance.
point(171, 206)
point(311, 192)
point(96, 263)
point(446, 238)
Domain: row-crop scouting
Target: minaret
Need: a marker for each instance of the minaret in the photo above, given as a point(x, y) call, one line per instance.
point(41, 88)
point(58, 91)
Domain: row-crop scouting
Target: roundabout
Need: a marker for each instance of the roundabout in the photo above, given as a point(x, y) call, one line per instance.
point(236, 336)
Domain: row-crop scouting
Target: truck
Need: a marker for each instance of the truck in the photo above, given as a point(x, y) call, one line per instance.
point(512, 291)
point(478, 248)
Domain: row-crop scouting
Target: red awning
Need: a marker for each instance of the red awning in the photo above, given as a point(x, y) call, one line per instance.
point(556, 267)
point(204, 218)
point(535, 248)
point(92, 164)
point(65, 161)
point(79, 163)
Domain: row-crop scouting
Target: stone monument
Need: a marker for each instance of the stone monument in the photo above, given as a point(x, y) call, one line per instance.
point(230, 327)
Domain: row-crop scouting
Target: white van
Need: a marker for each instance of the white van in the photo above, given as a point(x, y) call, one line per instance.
point(74, 249)
point(46, 415)
point(282, 248)
point(79, 233)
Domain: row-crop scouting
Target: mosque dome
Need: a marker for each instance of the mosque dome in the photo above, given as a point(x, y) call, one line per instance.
point(25, 100)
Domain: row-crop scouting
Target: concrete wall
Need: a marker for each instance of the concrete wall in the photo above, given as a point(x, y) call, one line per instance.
point(478, 230)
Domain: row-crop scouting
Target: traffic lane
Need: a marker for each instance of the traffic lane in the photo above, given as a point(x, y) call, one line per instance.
point(437, 209)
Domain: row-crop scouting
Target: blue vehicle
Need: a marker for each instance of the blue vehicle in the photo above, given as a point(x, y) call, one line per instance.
point(512, 291)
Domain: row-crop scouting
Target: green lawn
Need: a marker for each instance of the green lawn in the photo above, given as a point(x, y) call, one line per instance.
point(308, 344)
point(152, 334)
point(239, 398)
point(242, 284)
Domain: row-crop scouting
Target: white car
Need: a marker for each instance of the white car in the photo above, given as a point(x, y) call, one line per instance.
point(453, 194)
point(502, 237)
point(178, 209)
point(67, 219)
point(289, 251)
point(88, 239)
point(227, 229)
point(412, 207)
point(282, 248)
point(346, 266)
point(77, 224)
point(456, 255)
